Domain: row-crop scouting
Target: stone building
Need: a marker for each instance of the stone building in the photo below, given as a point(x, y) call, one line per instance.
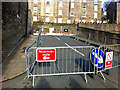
point(113, 12)
point(118, 12)
point(66, 11)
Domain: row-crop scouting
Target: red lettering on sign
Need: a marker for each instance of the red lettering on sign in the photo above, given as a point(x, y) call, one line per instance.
point(108, 63)
point(109, 57)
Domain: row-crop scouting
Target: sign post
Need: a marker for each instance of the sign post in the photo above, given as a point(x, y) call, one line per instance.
point(45, 54)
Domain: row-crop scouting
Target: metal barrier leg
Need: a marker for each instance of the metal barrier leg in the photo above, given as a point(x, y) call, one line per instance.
point(103, 76)
point(85, 78)
point(77, 39)
point(28, 74)
point(33, 81)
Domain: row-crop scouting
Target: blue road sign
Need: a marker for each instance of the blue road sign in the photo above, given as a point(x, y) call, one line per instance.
point(97, 57)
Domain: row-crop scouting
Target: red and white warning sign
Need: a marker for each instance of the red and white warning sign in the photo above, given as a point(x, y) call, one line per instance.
point(45, 55)
point(109, 58)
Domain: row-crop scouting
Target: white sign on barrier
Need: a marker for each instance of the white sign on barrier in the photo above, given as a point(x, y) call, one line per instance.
point(109, 58)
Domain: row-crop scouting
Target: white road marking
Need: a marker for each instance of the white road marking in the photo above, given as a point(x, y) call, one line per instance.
point(74, 49)
point(58, 38)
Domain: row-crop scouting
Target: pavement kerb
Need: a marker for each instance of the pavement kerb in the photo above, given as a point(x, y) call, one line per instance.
point(14, 76)
point(19, 73)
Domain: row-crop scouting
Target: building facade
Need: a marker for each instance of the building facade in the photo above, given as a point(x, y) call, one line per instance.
point(66, 11)
point(118, 12)
point(113, 12)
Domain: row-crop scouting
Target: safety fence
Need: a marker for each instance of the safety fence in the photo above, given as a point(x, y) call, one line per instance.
point(111, 56)
point(87, 36)
point(86, 60)
point(39, 39)
point(73, 60)
point(69, 60)
point(92, 37)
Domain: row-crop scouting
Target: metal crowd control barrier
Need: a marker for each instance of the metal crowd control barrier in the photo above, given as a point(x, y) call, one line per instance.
point(69, 60)
point(111, 55)
point(72, 60)
point(39, 40)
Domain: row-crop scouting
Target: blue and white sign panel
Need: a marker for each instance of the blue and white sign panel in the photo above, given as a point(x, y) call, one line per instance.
point(97, 57)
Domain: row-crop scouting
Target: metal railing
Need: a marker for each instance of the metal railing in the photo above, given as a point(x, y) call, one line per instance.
point(115, 49)
point(34, 44)
point(92, 37)
point(39, 39)
point(87, 36)
point(70, 59)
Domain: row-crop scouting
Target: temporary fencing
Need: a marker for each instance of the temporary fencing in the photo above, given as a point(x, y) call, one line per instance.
point(71, 60)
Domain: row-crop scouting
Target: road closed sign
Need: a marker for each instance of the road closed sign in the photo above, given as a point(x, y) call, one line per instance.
point(108, 61)
point(45, 55)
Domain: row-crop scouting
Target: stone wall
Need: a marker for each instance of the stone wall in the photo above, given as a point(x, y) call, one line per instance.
point(14, 26)
point(111, 28)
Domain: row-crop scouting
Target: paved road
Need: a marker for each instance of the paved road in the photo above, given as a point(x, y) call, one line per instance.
point(63, 65)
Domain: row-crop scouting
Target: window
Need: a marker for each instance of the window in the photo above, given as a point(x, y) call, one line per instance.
point(95, 1)
point(47, 2)
point(35, 9)
point(95, 15)
point(55, 20)
point(47, 19)
point(34, 18)
point(84, 14)
point(84, 6)
point(83, 21)
point(61, 4)
point(72, 13)
point(95, 7)
point(60, 12)
point(35, 1)
point(47, 10)
point(59, 20)
point(68, 21)
point(72, 5)
point(84, 0)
